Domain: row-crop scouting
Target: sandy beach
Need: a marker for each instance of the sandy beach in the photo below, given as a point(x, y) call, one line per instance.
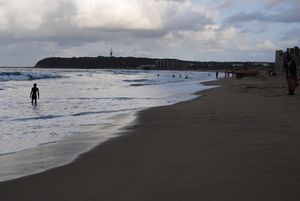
point(235, 142)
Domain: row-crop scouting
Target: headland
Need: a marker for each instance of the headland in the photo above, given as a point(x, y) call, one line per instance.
point(102, 62)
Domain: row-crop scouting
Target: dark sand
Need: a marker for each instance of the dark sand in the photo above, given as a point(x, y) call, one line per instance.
point(236, 142)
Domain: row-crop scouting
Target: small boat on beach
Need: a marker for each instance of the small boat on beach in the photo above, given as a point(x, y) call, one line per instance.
point(242, 73)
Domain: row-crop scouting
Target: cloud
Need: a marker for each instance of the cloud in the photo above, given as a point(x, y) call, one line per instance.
point(226, 4)
point(94, 20)
point(62, 27)
point(211, 39)
point(141, 17)
point(266, 45)
point(255, 28)
point(35, 19)
point(240, 18)
point(275, 11)
point(292, 34)
point(182, 28)
point(290, 15)
point(275, 3)
point(247, 44)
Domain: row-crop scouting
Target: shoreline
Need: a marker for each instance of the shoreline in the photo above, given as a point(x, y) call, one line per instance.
point(192, 150)
point(51, 155)
point(56, 154)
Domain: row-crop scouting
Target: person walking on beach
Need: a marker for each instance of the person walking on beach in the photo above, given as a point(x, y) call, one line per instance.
point(217, 74)
point(291, 74)
point(34, 94)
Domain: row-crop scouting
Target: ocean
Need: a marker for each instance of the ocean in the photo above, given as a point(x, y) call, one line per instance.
point(79, 105)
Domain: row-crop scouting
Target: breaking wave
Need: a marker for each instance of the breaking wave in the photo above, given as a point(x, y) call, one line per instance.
point(24, 76)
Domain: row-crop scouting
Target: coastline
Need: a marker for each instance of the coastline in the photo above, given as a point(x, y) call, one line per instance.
point(236, 142)
point(52, 155)
point(48, 155)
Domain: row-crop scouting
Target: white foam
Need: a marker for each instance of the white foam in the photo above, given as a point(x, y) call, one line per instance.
point(71, 104)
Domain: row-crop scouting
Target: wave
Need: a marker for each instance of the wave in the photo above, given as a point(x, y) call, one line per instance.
point(24, 76)
point(105, 111)
point(125, 72)
point(108, 98)
point(40, 117)
point(139, 85)
point(137, 80)
point(141, 82)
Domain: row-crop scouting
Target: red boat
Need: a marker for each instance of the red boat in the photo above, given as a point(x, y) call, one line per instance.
point(242, 73)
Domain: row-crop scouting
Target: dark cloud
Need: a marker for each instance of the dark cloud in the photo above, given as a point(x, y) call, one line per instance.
point(279, 4)
point(290, 15)
point(275, 13)
point(254, 29)
point(239, 19)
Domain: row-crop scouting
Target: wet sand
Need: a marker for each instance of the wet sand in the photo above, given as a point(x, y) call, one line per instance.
point(236, 142)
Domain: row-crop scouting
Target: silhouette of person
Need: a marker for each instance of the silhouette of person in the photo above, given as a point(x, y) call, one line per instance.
point(34, 94)
point(217, 73)
point(291, 74)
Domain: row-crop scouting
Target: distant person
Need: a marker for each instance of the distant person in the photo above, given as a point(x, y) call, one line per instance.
point(291, 73)
point(270, 71)
point(34, 94)
point(217, 74)
point(173, 75)
point(186, 77)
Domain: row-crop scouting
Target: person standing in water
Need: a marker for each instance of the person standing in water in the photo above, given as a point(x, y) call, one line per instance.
point(34, 94)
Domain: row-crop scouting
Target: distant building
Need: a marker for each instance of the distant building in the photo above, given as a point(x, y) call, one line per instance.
point(161, 63)
point(279, 59)
point(171, 64)
point(280, 56)
point(111, 52)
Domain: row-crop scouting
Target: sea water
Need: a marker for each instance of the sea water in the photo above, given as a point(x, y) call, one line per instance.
point(76, 102)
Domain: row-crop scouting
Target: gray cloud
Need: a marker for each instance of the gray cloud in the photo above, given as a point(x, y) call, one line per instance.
point(292, 34)
point(276, 11)
point(240, 18)
point(288, 16)
point(226, 4)
point(67, 22)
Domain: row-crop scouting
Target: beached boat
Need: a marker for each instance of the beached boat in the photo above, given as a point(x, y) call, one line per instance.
point(242, 73)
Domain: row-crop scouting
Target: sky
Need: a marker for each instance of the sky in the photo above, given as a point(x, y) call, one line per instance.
point(194, 30)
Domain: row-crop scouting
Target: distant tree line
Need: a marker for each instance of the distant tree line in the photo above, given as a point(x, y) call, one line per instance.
point(93, 62)
point(101, 62)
